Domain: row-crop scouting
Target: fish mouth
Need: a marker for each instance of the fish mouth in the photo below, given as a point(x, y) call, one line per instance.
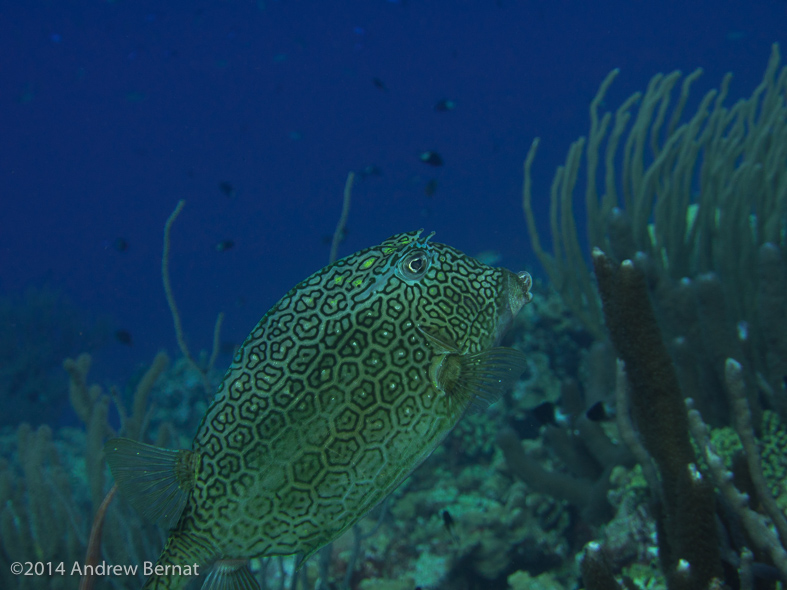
point(514, 296)
point(526, 281)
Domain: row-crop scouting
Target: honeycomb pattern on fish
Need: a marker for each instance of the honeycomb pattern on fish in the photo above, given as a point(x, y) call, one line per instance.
point(332, 399)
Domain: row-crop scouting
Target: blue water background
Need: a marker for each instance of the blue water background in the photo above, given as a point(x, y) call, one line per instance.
point(110, 112)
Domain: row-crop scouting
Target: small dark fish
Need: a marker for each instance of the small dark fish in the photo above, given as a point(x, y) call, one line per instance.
point(328, 240)
point(379, 84)
point(548, 413)
point(736, 35)
point(120, 244)
point(227, 189)
point(599, 412)
point(228, 347)
point(225, 245)
point(444, 105)
point(432, 158)
point(124, 337)
point(489, 257)
point(371, 170)
point(544, 413)
point(431, 187)
point(448, 521)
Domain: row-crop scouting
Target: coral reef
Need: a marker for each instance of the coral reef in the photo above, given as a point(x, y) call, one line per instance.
point(53, 483)
point(682, 187)
point(692, 216)
point(510, 501)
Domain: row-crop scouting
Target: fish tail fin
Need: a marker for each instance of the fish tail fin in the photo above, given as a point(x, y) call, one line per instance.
point(156, 481)
point(181, 560)
point(231, 574)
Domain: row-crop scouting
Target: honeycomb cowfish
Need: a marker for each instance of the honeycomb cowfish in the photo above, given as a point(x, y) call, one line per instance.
point(341, 390)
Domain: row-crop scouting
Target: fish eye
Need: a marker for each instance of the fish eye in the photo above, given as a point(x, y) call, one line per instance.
point(414, 266)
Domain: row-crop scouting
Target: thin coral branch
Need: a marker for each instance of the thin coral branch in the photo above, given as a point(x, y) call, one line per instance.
point(173, 307)
point(339, 231)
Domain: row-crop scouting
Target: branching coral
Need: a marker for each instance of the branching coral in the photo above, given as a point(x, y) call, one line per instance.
point(696, 207)
point(705, 202)
point(767, 532)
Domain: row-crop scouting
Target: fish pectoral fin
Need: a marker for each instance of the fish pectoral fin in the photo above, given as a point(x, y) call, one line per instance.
point(478, 380)
point(230, 574)
point(157, 482)
point(441, 345)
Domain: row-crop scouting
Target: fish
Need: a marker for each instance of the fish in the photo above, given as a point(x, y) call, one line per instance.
point(490, 257)
point(124, 337)
point(448, 522)
point(228, 347)
point(225, 245)
point(547, 413)
point(371, 170)
point(379, 84)
point(431, 187)
point(432, 158)
point(342, 389)
point(600, 412)
point(327, 239)
point(444, 105)
point(227, 189)
point(120, 244)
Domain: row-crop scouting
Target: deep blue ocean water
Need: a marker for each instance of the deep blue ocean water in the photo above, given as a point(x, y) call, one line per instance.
point(110, 112)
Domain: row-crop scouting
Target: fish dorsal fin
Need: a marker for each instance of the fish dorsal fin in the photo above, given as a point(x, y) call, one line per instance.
point(157, 482)
point(478, 380)
point(230, 574)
